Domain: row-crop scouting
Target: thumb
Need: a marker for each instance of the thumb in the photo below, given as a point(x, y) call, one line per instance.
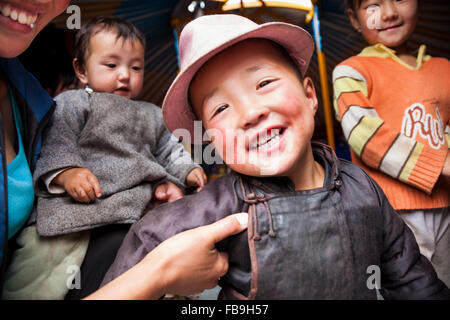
point(226, 227)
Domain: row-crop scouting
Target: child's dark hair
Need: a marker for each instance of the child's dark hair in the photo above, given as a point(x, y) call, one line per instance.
point(352, 4)
point(124, 30)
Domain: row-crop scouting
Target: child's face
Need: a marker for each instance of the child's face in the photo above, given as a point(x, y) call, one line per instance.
point(22, 20)
point(258, 114)
point(113, 65)
point(389, 22)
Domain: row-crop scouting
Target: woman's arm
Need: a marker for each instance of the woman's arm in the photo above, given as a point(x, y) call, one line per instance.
point(184, 264)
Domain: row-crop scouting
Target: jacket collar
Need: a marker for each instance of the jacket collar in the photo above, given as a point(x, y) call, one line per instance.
point(37, 99)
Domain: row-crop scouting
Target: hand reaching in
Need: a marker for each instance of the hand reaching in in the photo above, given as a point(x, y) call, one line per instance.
point(80, 183)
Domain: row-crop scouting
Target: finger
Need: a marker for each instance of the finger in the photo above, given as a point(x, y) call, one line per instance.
point(161, 192)
point(74, 194)
point(204, 179)
point(95, 184)
point(174, 193)
point(225, 227)
point(89, 190)
point(222, 264)
point(198, 178)
point(82, 196)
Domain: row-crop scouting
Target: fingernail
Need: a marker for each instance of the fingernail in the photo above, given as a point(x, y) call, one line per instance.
point(242, 218)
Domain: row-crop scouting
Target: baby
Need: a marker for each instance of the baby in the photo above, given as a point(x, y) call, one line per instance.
point(319, 227)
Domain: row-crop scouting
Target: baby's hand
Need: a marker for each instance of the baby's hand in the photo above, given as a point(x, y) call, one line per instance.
point(80, 183)
point(166, 192)
point(196, 177)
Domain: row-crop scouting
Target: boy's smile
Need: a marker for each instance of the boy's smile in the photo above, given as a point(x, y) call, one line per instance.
point(386, 21)
point(258, 113)
point(21, 21)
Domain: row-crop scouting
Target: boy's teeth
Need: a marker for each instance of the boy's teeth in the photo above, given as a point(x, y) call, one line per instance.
point(13, 15)
point(21, 17)
point(268, 141)
point(6, 10)
point(31, 20)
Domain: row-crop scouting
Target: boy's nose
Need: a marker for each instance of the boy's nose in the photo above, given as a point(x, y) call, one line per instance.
point(389, 11)
point(252, 115)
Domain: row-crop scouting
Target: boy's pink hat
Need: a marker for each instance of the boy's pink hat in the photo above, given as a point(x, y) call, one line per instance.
point(206, 36)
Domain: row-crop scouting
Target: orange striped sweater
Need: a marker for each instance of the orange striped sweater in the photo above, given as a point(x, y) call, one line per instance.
point(396, 121)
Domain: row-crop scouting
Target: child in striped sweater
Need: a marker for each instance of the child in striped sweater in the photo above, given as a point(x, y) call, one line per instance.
point(394, 108)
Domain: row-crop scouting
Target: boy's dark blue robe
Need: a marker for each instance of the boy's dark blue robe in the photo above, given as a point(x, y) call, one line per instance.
point(325, 243)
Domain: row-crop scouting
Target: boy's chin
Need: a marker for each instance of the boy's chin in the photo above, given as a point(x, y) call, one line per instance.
point(260, 170)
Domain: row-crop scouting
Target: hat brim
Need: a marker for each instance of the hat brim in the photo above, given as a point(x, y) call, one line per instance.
point(176, 110)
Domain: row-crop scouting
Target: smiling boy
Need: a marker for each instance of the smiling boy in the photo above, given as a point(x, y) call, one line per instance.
point(316, 223)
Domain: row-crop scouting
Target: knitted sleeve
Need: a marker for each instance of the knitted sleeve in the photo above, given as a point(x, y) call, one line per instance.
point(171, 153)
point(377, 144)
point(60, 144)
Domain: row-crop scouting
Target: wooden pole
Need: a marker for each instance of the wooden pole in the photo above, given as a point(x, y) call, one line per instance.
point(323, 80)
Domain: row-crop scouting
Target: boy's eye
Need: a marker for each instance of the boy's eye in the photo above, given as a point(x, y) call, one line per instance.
point(220, 109)
point(264, 83)
point(111, 65)
point(136, 68)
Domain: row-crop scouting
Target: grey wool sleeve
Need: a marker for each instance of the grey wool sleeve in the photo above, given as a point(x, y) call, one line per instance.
point(171, 154)
point(60, 141)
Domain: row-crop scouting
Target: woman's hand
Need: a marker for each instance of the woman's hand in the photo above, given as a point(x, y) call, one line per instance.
point(184, 264)
point(190, 261)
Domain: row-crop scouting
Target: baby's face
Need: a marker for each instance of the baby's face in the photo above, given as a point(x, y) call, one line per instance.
point(257, 112)
point(114, 65)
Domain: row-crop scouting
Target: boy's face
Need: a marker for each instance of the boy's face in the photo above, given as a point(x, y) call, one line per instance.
point(22, 20)
point(255, 109)
point(113, 65)
point(388, 22)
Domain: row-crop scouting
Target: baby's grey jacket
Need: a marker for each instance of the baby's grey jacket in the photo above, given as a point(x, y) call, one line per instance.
point(340, 241)
point(126, 146)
